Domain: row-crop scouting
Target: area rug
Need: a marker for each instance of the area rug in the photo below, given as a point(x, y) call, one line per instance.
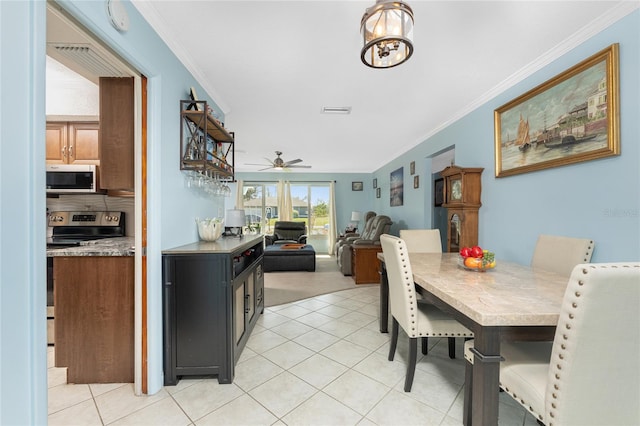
point(290, 286)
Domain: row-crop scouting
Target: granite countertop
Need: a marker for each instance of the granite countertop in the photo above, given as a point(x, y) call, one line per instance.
point(121, 246)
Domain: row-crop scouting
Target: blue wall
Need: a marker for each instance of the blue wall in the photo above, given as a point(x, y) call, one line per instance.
point(597, 199)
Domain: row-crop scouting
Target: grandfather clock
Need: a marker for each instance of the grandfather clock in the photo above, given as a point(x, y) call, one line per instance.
point(462, 188)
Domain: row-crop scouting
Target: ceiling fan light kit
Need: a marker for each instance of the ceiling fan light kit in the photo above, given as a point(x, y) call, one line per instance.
point(387, 34)
point(279, 164)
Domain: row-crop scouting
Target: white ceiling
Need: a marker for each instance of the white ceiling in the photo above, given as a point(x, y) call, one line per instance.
point(272, 65)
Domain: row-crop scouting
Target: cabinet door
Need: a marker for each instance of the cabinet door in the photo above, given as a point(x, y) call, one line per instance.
point(239, 325)
point(83, 143)
point(116, 133)
point(56, 143)
point(250, 296)
point(94, 318)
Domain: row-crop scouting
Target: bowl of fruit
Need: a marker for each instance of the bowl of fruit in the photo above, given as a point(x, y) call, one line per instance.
point(476, 259)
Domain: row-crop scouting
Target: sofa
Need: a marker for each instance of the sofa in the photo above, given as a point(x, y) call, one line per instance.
point(287, 232)
point(380, 225)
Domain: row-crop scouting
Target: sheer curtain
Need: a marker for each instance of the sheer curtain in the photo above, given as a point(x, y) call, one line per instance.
point(281, 203)
point(288, 204)
point(239, 194)
point(332, 217)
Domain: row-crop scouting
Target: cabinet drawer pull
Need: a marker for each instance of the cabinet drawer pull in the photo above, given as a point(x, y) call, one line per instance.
point(247, 299)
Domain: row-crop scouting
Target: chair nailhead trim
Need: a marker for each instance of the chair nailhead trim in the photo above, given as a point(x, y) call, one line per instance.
point(578, 294)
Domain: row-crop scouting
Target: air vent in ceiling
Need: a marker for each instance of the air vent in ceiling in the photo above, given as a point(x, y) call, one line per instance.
point(336, 110)
point(86, 56)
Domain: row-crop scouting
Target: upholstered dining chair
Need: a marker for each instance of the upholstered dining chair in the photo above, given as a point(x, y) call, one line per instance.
point(560, 254)
point(576, 379)
point(426, 241)
point(418, 320)
point(422, 240)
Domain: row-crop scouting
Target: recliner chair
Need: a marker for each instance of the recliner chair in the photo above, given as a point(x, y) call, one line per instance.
point(287, 232)
point(352, 236)
point(380, 225)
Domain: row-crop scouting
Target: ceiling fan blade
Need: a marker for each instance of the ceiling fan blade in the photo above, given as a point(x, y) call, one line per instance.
point(267, 168)
point(297, 160)
point(298, 167)
point(255, 164)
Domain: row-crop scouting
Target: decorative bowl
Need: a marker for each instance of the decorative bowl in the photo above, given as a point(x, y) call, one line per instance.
point(476, 265)
point(210, 229)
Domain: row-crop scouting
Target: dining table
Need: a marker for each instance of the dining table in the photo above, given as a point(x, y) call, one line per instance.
point(508, 302)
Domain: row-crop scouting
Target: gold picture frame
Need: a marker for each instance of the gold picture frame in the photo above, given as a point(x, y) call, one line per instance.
point(571, 118)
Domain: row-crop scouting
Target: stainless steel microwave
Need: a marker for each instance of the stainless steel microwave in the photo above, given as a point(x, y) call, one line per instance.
point(72, 178)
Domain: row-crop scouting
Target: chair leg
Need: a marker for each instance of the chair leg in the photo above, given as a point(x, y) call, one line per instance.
point(394, 338)
point(452, 347)
point(411, 368)
point(425, 345)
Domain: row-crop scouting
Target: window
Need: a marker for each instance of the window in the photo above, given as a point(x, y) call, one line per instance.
point(310, 204)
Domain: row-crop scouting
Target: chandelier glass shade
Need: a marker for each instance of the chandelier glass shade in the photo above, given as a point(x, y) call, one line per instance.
point(387, 34)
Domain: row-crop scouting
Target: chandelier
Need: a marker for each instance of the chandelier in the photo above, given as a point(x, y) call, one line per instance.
point(387, 32)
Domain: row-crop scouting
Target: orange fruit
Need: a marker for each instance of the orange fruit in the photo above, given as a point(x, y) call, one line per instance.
point(472, 262)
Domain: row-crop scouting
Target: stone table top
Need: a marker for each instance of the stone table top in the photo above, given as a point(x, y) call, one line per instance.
point(508, 295)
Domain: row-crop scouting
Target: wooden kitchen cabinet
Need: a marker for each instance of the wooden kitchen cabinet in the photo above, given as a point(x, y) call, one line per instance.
point(72, 142)
point(117, 133)
point(364, 263)
point(94, 318)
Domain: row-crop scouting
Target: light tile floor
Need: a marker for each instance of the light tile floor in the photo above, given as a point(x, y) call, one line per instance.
point(319, 361)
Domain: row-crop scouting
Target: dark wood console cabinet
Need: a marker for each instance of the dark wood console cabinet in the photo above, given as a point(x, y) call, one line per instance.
point(213, 293)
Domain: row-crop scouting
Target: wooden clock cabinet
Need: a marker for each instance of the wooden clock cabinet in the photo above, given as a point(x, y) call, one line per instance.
point(463, 190)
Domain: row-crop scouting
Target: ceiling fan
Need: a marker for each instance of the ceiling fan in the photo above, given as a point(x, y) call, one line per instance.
point(279, 164)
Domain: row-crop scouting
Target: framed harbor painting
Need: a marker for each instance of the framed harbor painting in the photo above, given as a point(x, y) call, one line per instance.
point(571, 118)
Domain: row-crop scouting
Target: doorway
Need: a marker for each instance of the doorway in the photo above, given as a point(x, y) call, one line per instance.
point(93, 60)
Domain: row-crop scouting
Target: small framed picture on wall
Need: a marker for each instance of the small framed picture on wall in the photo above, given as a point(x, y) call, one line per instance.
point(375, 183)
point(377, 192)
point(416, 181)
point(412, 168)
point(356, 186)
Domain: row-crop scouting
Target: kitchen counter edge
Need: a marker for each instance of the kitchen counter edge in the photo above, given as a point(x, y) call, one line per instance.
point(120, 246)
